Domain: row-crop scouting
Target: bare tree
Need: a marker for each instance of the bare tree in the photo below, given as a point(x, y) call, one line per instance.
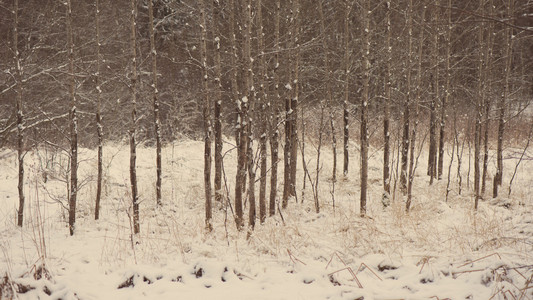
point(217, 16)
point(99, 127)
point(262, 102)
point(155, 93)
point(133, 127)
point(364, 106)
point(240, 137)
point(73, 121)
point(206, 117)
point(386, 105)
point(412, 143)
point(407, 104)
point(501, 104)
point(275, 111)
point(432, 158)
point(20, 116)
point(346, 109)
point(446, 98)
point(479, 111)
point(295, 97)
point(248, 103)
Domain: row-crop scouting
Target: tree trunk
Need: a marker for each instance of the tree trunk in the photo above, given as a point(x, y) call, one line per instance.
point(274, 135)
point(133, 143)
point(20, 118)
point(412, 143)
point(329, 92)
point(364, 107)
point(501, 104)
point(432, 160)
point(295, 99)
point(479, 112)
point(406, 117)
point(386, 107)
point(262, 102)
point(446, 98)
point(99, 127)
point(206, 118)
point(249, 103)
point(155, 92)
point(239, 127)
point(346, 109)
point(73, 120)
point(217, 12)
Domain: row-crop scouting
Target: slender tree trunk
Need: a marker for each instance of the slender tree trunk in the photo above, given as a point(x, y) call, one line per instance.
point(479, 112)
point(412, 143)
point(432, 161)
point(206, 117)
point(364, 107)
point(501, 104)
point(133, 128)
point(217, 12)
point(487, 103)
point(20, 118)
point(406, 117)
point(329, 91)
point(446, 98)
point(262, 102)
point(386, 107)
point(99, 127)
point(295, 99)
point(274, 135)
point(73, 127)
point(250, 92)
point(239, 128)
point(289, 188)
point(155, 92)
point(345, 108)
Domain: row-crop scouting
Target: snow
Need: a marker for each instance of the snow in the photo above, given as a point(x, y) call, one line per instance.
point(440, 249)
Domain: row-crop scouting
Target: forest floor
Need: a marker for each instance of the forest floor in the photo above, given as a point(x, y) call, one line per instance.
point(440, 249)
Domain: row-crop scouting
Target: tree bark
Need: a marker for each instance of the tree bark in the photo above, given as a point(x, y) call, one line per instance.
point(432, 159)
point(345, 108)
point(206, 117)
point(20, 118)
point(249, 105)
point(386, 106)
point(503, 99)
point(406, 117)
point(479, 112)
point(364, 107)
point(99, 127)
point(447, 93)
point(275, 110)
point(133, 128)
point(262, 103)
point(217, 12)
point(295, 99)
point(412, 143)
point(73, 120)
point(155, 93)
point(239, 128)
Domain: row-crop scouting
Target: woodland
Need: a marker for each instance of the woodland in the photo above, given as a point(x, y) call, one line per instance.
point(243, 120)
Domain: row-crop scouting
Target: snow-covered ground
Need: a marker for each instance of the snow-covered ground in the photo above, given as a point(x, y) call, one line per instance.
point(439, 250)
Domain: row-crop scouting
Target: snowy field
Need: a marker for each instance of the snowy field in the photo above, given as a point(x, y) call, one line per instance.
point(439, 250)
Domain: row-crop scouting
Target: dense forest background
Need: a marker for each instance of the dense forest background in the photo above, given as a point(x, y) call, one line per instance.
point(271, 71)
